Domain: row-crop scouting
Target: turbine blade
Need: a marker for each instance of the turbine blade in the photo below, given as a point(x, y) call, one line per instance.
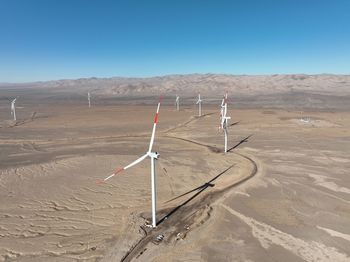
point(154, 128)
point(145, 155)
point(110, 176)
point(136, 161)
point(117, 171)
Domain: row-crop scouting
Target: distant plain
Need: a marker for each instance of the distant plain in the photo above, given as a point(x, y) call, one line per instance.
point(281, 193)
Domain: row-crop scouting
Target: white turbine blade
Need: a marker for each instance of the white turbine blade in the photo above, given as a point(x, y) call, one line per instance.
point(225, 109)
point(154, 128)
point(136, 161)
point(126, 167)
point(110, 176)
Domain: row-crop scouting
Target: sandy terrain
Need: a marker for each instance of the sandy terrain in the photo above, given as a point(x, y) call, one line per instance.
point(281, 193)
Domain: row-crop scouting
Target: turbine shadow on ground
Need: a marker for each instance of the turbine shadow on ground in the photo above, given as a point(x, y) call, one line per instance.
point(200, 188)
point(25, 121)
point(240, 142)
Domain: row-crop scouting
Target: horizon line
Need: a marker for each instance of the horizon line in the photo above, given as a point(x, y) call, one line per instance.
point(165, 75)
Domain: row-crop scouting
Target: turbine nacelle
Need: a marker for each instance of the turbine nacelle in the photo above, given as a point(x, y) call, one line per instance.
point(13, 103)
point(154, 155)
point(199, 99)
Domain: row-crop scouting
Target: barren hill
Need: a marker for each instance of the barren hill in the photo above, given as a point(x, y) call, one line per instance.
point(208, 84)
point(324, 91)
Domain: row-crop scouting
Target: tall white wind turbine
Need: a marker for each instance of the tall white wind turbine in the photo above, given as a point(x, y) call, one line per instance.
point(13, 109)
point(153, 156)
point(177, 103)
point(199, 102)
point(89, 99)
point(224, 119)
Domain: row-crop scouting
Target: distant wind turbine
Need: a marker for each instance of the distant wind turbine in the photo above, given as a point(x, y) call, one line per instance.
point(304, 119)
point(177, 103)
point(224, 119)
point(199, 103)
point(222, 106)
point(89, 99)
point(153, 156)
point(13, 109)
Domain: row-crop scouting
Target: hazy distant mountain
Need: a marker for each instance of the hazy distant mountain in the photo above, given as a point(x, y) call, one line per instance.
point(204, 83)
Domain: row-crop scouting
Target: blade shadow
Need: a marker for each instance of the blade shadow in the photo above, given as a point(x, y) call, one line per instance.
point(235, 123)
point(200, 188)
point(191, 191)
point(204, 115)
point(240, 142)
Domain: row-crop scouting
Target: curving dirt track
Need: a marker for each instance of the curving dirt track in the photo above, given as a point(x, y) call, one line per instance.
point(192, 215)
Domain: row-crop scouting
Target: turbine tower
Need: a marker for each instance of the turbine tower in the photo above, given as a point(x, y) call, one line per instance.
point(199, 102)
point(177, 103)
point(89, 99)
point(224, 119)
point(153, 156)
point(13, 109)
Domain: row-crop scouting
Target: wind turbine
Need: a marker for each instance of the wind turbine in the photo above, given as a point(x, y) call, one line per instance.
point(199, 102)
point(153, 156)
point(13, 109)
point(177, 102)
point(224, 119)
point(304, 119)
point(89, 99)
point(222, 105)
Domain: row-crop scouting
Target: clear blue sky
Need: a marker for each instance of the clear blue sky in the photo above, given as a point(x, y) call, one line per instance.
point(47, 39)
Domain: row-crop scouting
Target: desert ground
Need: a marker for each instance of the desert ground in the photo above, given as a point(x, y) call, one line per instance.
point(281, 193)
